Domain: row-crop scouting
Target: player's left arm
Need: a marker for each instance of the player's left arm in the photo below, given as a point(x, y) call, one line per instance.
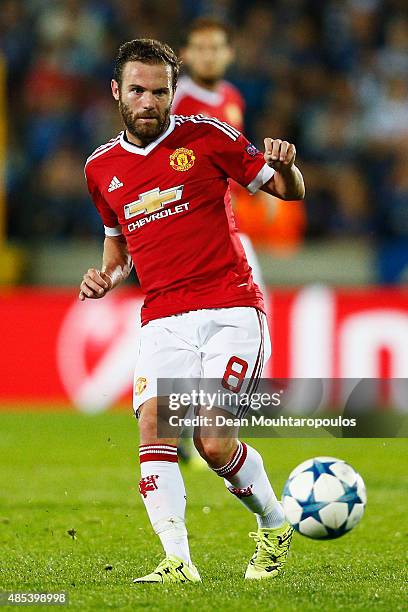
point(287, 181)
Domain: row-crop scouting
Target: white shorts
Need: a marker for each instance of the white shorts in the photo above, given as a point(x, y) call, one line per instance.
point(227, 345)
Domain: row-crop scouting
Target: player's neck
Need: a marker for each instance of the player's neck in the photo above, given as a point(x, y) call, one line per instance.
point(208, 84)
point(134, 140)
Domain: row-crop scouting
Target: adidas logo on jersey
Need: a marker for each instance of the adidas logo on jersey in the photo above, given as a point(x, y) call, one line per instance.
point(115, 184)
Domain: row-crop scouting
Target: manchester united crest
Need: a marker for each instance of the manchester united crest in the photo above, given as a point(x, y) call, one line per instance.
point(140, 385)
point(182, 159)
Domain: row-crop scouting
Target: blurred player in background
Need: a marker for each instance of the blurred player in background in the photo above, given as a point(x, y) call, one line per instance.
point(207, 55)
point(160, 188)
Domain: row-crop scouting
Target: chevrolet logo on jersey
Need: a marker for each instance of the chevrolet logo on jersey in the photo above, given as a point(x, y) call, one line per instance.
point(152, 200)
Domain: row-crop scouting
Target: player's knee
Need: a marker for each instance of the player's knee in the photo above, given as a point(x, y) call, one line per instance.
point(215, 451)
point(148, 423)
point(150, 430)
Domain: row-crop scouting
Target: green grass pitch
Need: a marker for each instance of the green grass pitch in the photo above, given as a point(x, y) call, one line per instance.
point(65, 471)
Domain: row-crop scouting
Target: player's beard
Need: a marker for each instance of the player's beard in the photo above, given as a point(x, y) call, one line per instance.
point(145, 132)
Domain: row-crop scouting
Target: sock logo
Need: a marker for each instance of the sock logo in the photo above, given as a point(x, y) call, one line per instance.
point(148, 484)
point(246, 492)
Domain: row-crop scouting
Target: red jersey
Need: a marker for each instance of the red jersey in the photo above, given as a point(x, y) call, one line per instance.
point(225, 103)
point(168, 201)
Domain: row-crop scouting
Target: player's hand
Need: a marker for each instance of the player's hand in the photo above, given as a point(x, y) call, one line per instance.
point(95, 285)
point(279, 154)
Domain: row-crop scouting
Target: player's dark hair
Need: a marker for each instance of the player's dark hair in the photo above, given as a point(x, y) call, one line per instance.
point(208, 23)
point(148, 51)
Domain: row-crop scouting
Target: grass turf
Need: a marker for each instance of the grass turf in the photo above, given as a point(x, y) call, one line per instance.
point(66, 471)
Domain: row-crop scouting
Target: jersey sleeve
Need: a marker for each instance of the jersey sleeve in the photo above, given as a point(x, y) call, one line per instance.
point(238, 158)
point(108, 216)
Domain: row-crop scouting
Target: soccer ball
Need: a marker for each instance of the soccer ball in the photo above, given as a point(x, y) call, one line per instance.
point(324, 498)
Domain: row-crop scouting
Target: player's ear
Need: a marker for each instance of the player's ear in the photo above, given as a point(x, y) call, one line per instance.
point(115, 89)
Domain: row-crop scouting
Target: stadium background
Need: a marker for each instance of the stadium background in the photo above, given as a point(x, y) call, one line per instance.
point(331, 76)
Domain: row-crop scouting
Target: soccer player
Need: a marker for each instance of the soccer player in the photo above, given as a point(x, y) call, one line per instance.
point(159, 187)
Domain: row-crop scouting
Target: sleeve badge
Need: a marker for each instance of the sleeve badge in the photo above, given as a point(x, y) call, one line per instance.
point(251, 150)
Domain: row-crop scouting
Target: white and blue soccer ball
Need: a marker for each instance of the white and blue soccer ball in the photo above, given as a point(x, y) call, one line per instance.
point(324, 498)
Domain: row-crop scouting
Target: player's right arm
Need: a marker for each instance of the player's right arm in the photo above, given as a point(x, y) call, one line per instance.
point(116, 267)
point(116, 261)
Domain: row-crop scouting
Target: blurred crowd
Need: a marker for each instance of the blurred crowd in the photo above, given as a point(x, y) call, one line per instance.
point(329, 75)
